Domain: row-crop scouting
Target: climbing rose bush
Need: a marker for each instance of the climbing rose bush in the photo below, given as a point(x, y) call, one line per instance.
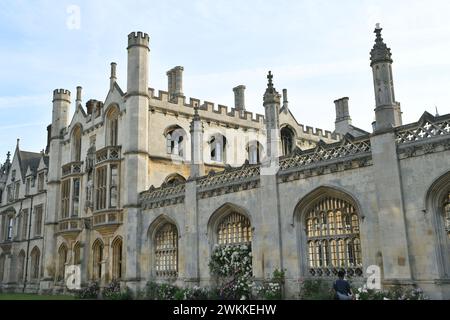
point(232, 264)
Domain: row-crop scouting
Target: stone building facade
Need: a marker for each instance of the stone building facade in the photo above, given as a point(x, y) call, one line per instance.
point(143, 185)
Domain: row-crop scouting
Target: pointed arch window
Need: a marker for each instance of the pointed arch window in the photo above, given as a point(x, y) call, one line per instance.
point(62, 260)
point(287, 140)
point(166, 251)
point(35, 263)
point(76, 144)
point(117, 259)
point(218, 148)
point(175, 141)
point(333, 239)
point(112, 127)
point(174, 179)
point(77, 254)
point(234, 229)
point(20, 266)
point(97, 252)
point(254, 151)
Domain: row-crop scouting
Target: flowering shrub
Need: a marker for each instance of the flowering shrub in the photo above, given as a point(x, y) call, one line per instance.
point(156, 291)
point(90, 292)
point(395, 293)
point(195, 293)
point(272, 289)
point(232, 264)
point(113, 292)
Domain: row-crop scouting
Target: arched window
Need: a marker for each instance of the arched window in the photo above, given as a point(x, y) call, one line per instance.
point(77, 254)
point(9, 227)
point(62, 260)
point(117, 259)
point(112, 127)
point(35, 263)
point(175, 141)
point(447, 214)
point(76, 144)
point(234, 229)
point(174, 179)
point(287, 140)
point(2, 266)
point(97, 253)
point(254, 151)
point(20, 266)
point(218, 145)
point(333, 240)
point(166, 251)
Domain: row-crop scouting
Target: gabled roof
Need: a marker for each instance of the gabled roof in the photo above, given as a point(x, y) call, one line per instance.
point(28, 159)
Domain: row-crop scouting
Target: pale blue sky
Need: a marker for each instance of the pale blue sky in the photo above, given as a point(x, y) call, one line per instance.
point(318, 50)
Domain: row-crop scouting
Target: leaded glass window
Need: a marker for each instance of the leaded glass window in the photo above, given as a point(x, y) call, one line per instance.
point(333, 240)
point(97, 259)
point(234, 229)
point(166, 251)
point(65, 198)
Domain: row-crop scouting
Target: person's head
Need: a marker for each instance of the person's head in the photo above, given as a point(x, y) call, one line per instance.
point(341, 274)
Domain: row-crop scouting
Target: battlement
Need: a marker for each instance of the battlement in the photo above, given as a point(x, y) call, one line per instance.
point(60, 92)
point(231, 115)
point(138, 39)
point(320, 133)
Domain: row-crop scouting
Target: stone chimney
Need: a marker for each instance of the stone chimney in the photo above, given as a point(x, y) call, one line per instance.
point(343, 120)
point(239, 98)
point(285, 101)
point(113, 76)
point(175, 83)
point(78, 98)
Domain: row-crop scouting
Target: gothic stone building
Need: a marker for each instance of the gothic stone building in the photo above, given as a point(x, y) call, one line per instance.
point(143, 186)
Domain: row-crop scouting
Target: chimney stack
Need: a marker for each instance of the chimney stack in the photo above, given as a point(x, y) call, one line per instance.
point(78, 99)
point(343, 119)
point(285, 101)
point(239, 98)
point(175, 83)
point(113, 77)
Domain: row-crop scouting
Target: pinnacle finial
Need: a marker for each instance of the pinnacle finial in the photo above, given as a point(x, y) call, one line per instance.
point(380, 51)
point(8, 156)
point(18, 141)
point(196, 114)
point(270, 77)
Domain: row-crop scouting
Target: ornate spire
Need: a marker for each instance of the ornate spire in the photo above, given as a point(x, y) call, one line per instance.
point(8, 157)
point(271, 95)
point(380, 51)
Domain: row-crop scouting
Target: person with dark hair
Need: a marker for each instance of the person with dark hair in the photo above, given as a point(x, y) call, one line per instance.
point(342, 287)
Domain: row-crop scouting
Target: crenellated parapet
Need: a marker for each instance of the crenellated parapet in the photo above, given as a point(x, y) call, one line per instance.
point(207, 109)
point(61, 94)
point(320, 133)
point(138, 39)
